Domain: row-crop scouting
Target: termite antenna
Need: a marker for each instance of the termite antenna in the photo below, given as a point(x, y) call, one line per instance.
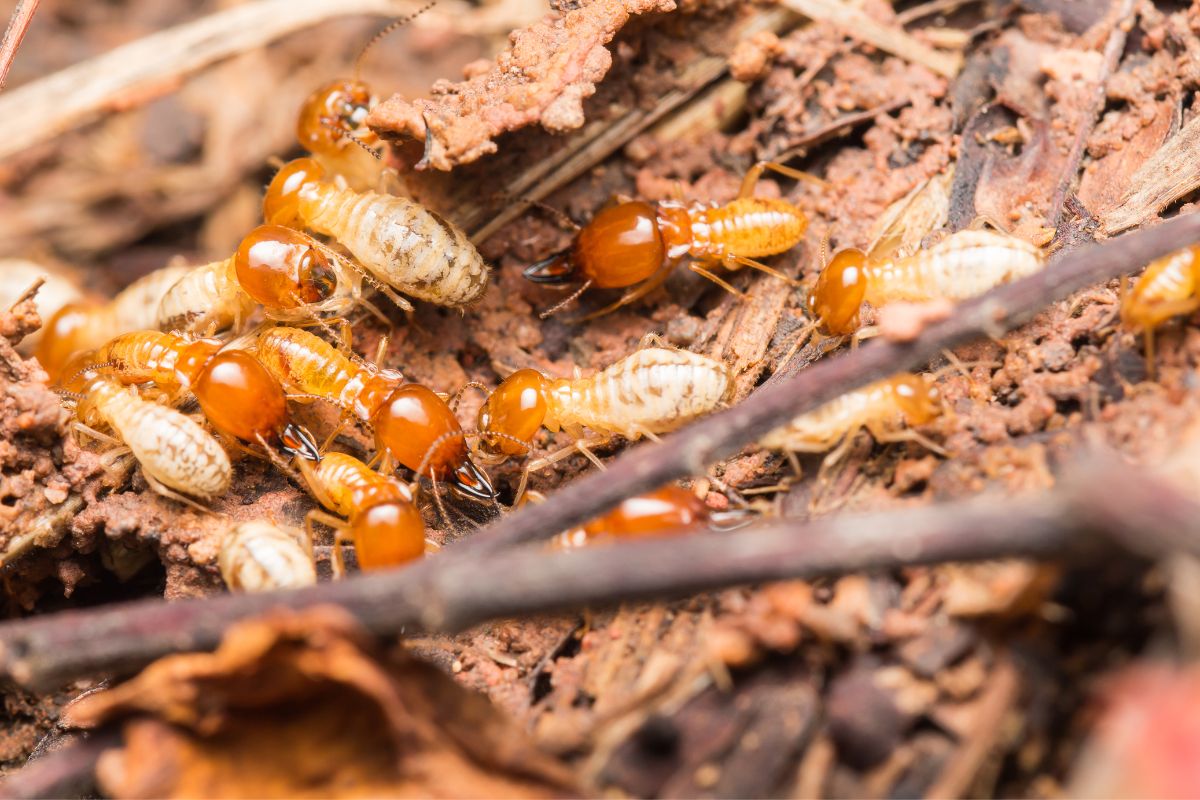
point(384, 31)
point(529, 202)
point(571, 298)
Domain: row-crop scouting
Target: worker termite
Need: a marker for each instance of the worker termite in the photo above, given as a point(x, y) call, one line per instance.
point(84, 326)
point(412, 424)
point(888, 410)
point(1169, 287)
point(651, 391)
point(671, 509)
point(260, 556)
point(381, 520)
point(178, 457)
point(637, 243)
point(293, 276)
point(964, 264)
point(401, 243)
point(238, 395)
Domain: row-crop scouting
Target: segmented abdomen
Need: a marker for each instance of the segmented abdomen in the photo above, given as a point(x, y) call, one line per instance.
point(964, 265)
point(142, 356)
point(352, 486)
point(258, 556)
point(402, 243)
point(752, 227)
point(651, 391)
point(822, 428)
point(207, 297)
point(170, 446)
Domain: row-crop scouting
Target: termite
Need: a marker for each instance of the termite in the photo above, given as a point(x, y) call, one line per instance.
point(651, 391)
point(332, 122)
point(178, 457)
point(293, 277)
point(963, 265)
point(260, 556)
point(77, 327)
point(400, 242)
point(671, 509)
point(1169, 287)
point(412, 424)
point(636, 244)
point(238, 395)
point(382, 522)
point(889, 410)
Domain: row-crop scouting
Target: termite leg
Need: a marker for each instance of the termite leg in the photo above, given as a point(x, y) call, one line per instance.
point(756, 171)
point(761, 267)
point(908, 435)
point(95, 434)
point(340, 538)
point(636, 293)
point(314, 486)
point(863, 333)
point(582, 447)
point(159, 488)
point(1151, 366)
point(381, 348)
point(699, 270)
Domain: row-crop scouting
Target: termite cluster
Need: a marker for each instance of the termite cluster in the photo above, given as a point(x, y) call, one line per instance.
point(244, 339)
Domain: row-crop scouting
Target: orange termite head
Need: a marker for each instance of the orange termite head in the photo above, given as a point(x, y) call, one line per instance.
point(839, 292)
point(516, 409)
point(332, 111)
point(387, 534)
point(919, 402)
point(418, 428)
point(284, 268)
point(61, 337)
point(242, 398)
point(281, 204)
point(621, 246)
point(666, 510)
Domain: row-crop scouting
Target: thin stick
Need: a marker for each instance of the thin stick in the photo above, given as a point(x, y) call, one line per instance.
point(17, 25)
point(66, 772)
point(45, 108)
point(446, 593)
point(1112, 57)
point(891, 39)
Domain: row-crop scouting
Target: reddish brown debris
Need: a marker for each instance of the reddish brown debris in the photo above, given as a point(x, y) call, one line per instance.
point(542, 78)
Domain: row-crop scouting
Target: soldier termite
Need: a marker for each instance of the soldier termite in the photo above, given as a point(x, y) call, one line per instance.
point(636, 244)
point(410, 421)
point(178, 457)
point(237, 394)
point(381, 520)
point(294, 277)
point(1169, 287)
point(963, 265)
point(671, 509)
point(888, 409)
point(84, 326)
point(260, 556)
point(403, 244)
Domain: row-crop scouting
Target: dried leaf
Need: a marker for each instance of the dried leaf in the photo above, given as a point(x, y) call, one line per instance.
point(543, 78)
point(302, 705)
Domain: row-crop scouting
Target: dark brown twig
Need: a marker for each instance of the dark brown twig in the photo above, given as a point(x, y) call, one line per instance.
point(451, 593)
point(66, 772)
point(1112, 56)
point(22, 16)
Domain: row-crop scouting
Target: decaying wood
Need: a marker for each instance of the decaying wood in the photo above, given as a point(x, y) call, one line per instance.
point(22, 16)
point(890, 39)
point(52, 105)
point(597, 141)
point(452, 593)
point(1171, 173)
